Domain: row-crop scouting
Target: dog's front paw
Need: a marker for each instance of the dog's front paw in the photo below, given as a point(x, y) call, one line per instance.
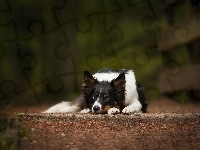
point(131, 109)
point(113, 111)
point(84, 111)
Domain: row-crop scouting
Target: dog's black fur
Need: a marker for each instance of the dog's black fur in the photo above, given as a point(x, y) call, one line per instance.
point(142, 98)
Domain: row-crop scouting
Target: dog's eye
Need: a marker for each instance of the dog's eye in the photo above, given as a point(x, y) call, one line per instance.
point(95, 95)
point(106, 97)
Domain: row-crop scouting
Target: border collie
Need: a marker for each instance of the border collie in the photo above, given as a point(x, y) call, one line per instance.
point(107, 91)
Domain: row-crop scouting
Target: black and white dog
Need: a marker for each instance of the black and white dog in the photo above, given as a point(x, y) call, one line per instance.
point(107, 91)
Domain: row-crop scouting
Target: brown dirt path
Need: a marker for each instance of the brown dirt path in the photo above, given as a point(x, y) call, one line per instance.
point(146, 131)
point(87, 131)
point(168, 125)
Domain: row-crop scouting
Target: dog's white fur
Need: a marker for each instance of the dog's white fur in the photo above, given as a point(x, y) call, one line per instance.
point(62, 107)
point(113, 111)
point(131, 97)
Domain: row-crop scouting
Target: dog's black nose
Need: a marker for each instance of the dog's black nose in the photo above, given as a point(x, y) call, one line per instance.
point(96, 108)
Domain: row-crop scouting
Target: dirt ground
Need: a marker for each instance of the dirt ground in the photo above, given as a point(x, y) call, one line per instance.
point(167, 125)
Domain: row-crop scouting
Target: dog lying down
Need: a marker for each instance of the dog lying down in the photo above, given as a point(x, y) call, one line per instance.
point(107, 91)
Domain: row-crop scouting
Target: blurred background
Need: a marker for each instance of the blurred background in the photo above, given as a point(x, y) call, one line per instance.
point(46, 45)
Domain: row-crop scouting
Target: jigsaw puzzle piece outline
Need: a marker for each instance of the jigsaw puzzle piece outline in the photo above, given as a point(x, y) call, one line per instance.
point(60, 26)
point(118, 58)
point(60, 44)
point(151, 17)
point(20, 56)
point(9, 8)
point(181, 34)
point(107, 30)
point(27, 55)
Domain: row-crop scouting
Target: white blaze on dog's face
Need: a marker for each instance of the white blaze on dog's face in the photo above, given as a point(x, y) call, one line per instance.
point(106, 95)
point(97, 107)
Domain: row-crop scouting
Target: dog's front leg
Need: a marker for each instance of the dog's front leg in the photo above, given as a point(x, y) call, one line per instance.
point(85, 111)
point(133, 108)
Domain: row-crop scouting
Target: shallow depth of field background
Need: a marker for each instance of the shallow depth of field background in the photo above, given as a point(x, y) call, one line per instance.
point(46, 45)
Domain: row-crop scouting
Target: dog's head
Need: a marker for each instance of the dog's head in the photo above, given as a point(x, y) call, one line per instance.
point(101, 96)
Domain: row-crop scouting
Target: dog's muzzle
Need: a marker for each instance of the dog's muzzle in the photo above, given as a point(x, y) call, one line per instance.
point(97, 108)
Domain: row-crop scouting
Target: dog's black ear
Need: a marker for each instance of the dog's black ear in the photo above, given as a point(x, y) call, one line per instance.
point(88, 81)
point(119, 82)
